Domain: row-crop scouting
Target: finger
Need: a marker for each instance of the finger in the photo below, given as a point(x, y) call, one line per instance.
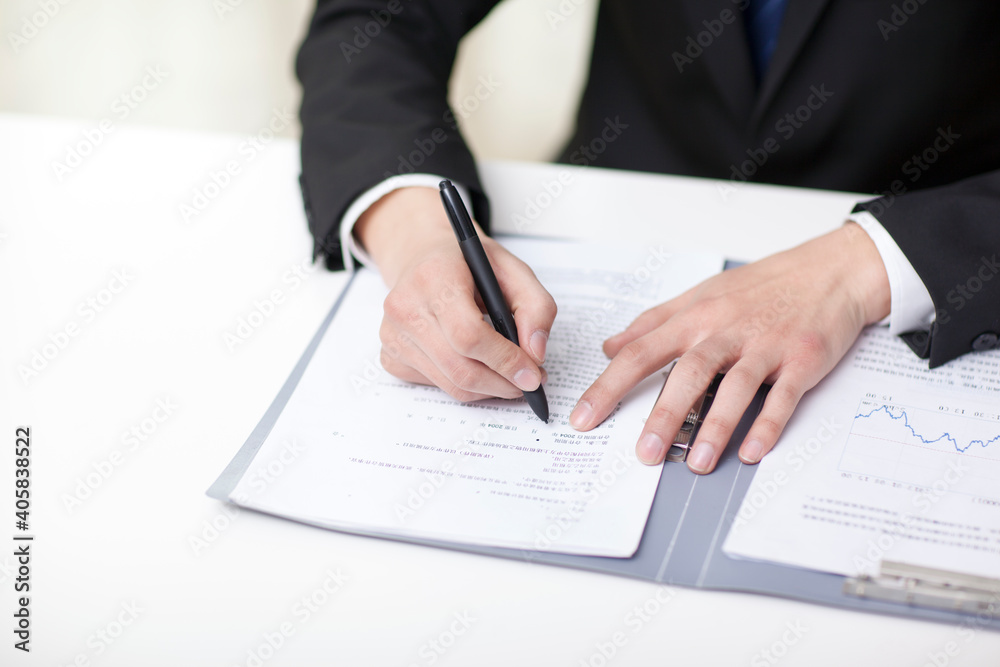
point(533, 307)
point(648, 321)
point(640, 326)
point(736, 391)
point(417, 367)
point(631, 365)
point(688, 380)
point(781, 400)
point(467, 337)
point(432, 328)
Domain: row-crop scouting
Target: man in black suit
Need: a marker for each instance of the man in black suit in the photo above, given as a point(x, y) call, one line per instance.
point(895, 98)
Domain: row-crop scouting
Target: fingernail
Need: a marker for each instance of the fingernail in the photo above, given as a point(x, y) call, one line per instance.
point(526, 380)
point(650, 449)
point(537, 343)
point(752, 451)
point(582, 414)
point(701, 458)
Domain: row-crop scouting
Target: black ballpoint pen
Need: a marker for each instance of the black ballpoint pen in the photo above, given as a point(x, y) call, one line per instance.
point(486, 282)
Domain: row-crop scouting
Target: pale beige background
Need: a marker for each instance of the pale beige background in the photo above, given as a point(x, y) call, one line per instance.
point(230, 62)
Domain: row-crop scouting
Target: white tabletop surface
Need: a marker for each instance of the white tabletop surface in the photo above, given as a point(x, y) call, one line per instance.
point(133, 565)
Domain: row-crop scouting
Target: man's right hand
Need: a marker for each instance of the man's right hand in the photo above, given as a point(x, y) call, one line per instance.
point(433, 331)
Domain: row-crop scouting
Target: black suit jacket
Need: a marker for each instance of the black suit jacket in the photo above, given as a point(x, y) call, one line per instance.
point(895, 98)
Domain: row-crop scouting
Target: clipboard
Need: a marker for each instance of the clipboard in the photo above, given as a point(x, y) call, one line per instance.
point(687, 525)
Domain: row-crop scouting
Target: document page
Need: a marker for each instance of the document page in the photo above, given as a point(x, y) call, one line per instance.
point(883, 460)
point(359, 450)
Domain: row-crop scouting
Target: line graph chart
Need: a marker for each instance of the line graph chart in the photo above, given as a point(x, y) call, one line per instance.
point(901, 415)
point(915, 444)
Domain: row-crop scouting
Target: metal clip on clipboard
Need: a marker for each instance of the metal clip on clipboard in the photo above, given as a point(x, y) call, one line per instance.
point(678, 451)
point(927, 587)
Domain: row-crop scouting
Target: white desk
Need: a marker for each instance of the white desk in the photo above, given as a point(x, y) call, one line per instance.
point(162, 337)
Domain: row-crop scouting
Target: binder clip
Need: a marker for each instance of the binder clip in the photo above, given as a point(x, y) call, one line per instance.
point(678, 451)
point(928, 587)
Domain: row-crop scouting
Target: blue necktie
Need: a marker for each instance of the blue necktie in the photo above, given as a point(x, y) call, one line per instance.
point(762, 19)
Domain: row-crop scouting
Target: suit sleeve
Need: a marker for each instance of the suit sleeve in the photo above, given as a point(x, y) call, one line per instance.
point(951, 236)
point(375, 81)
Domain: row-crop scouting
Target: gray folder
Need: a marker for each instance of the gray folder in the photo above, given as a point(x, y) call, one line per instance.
point(682, 543)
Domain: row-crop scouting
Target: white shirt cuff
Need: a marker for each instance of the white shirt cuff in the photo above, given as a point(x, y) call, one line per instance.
point(350, 246)
point(911, 306)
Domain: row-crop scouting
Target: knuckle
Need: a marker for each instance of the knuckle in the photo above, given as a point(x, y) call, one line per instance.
point(389, 362)
point(461, 395)
point(396, 306)
point(507, 359)
point(716, 424)
point(463, 374)
point(401, 310)
point(698, 358)
point(635, 353)
point(811, 346)
point(548, 306)
point(783, 397)
point(662, 415)
point(709, 309)
point(741, 377)
point(599, 395)
point(768, 426)
point(693, 371)
point(465, 337)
